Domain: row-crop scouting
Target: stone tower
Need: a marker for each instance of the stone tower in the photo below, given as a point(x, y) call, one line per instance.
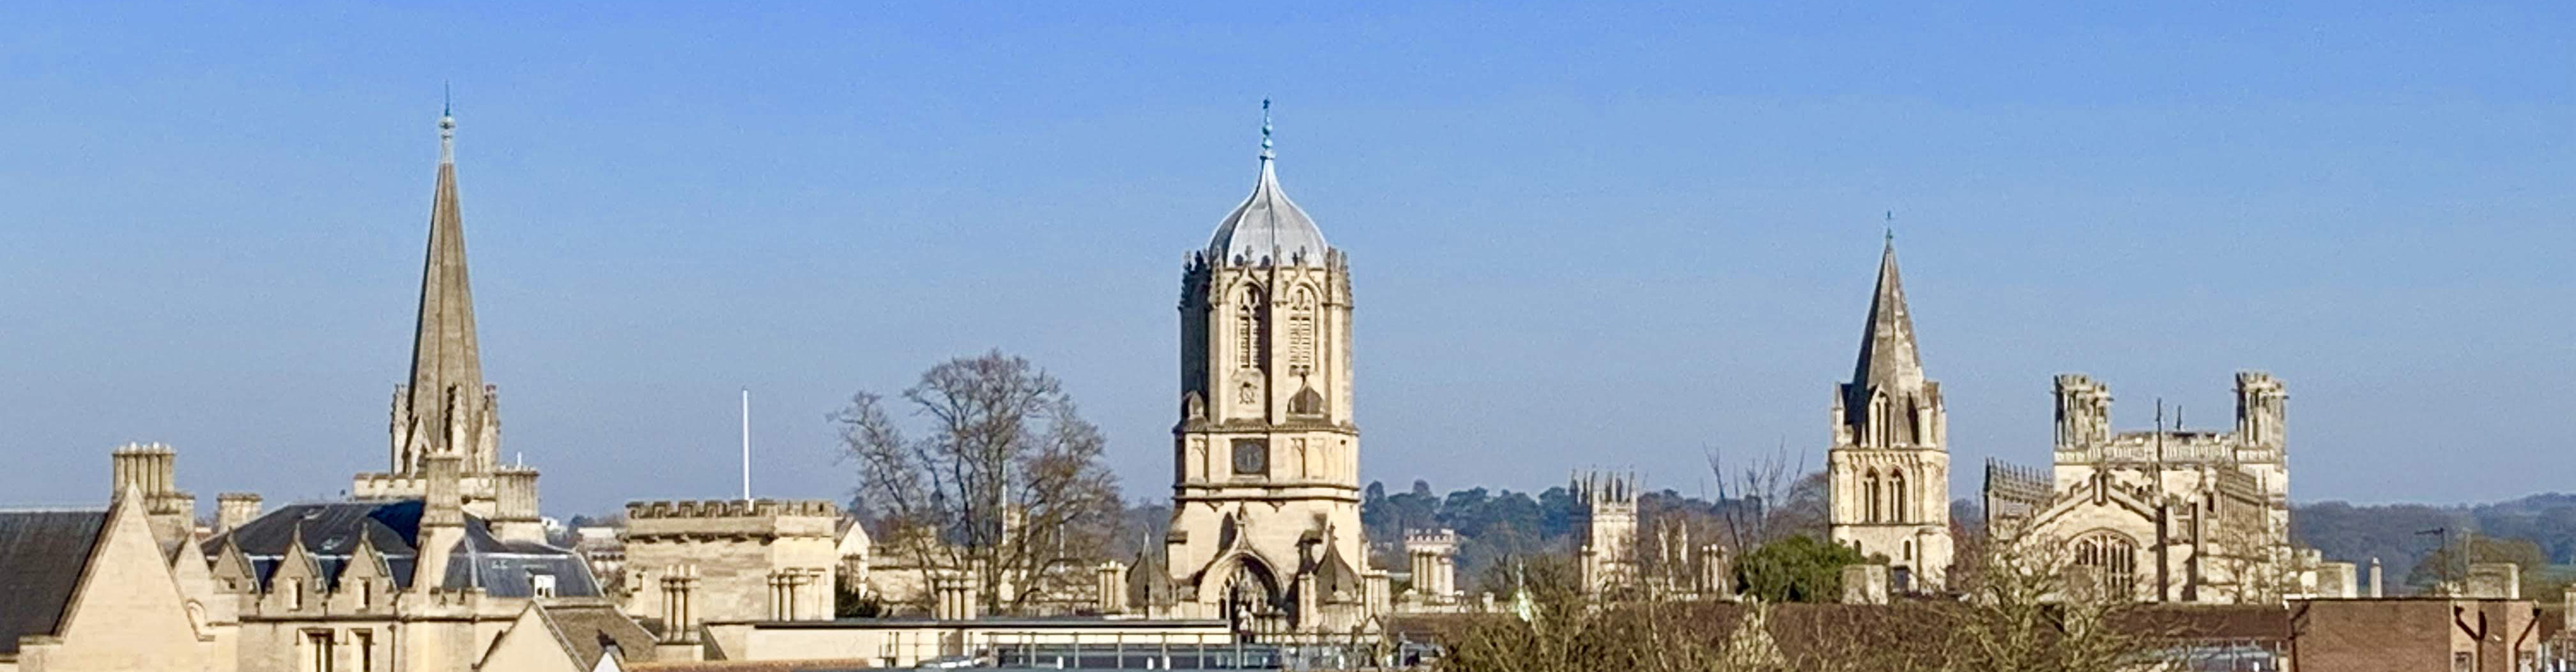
point(447, 408)
point(1609, 529)
point(1265, 494)
point(1890, 462)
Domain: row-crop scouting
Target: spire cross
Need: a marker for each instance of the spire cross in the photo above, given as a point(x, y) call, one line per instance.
point(1265, 130)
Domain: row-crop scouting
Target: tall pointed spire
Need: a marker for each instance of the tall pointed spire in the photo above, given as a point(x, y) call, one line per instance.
point(1887, 355)
point(446, 363)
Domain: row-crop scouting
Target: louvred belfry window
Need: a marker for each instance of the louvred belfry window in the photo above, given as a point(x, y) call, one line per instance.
point(1301, 332)
point(1250, 324)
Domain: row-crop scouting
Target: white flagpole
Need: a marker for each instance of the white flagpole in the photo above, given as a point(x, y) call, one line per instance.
point(746, 444)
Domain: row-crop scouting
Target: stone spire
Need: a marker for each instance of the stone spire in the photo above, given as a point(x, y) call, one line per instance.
point(446, 366)
point(1887, 357)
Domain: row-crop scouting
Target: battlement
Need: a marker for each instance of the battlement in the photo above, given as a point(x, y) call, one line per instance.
point(1441, 540)
point(731, 508)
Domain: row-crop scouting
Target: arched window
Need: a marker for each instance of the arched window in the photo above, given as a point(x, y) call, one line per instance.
point(1869, 486)
point(1301, 331)
point(1251, 330)
point(1897, 504)
point(2112, 558)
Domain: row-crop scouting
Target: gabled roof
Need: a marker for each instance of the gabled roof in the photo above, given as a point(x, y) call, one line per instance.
point(587, 630)
point(330, 531)
point(42, 555)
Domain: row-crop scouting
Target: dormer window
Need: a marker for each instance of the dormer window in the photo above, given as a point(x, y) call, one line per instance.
point(541, 585)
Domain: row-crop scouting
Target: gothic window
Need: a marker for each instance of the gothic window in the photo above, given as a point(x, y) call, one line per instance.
point(2111, 558)
point(1896, 501)
point(1301, 331)
point(1869, 486)
point(1251, 331)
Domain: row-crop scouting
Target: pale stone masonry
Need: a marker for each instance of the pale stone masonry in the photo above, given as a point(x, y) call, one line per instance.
point(447, 407)
point(695, 562)
point(2171, 514)
point(1266, 493)
point(1890, 463)
point(1608, 529)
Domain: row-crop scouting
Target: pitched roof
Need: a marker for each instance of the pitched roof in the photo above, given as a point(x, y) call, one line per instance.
point(444, 352)
point(1887, 356)
point(42, 555)
point(330, 533)
point(587, 630)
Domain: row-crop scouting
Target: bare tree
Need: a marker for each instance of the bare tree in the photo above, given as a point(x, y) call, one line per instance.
point(1758, 498)
point(1006, 484)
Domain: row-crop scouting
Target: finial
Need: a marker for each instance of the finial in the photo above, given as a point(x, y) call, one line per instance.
point(1265, 130)
point(1891, 228)
point(446, 125)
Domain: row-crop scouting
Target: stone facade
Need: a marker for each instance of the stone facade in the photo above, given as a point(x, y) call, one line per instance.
point(1608, 528)
point(1266, 493)
point(2171, 514)
point(1890, 463)
point(1434, 556)
point(694, 562)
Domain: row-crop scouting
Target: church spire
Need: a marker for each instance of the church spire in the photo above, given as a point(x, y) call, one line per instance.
point(1887, 356)
point(446, 365)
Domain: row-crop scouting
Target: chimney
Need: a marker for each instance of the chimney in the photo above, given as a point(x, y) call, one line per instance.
point(2374, 580)
point(1111, 581)
point(234, 509)
point(442, 521)
point(955, 598)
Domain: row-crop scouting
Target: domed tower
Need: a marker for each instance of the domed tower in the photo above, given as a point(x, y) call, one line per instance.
point(1265, 484)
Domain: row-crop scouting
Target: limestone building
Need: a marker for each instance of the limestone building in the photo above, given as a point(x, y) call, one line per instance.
point(1434, 557)
point(1608, 529)
point(1890, 463)
point(695, 562)
point(447, 408)
point(2170, 514)
point(1266, 526)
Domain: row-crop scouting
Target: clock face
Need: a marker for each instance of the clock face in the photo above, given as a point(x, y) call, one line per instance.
point(1251, 457)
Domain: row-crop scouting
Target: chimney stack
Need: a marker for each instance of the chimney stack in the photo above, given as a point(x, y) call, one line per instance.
point(442, 520)
point(234, 509)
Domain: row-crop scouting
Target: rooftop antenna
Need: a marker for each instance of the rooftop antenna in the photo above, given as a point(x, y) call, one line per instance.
point(746, 445)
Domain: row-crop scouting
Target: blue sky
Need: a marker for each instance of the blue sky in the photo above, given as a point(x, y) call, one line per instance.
point(1583, 234)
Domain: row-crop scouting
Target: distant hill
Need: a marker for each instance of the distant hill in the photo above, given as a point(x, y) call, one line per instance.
point(2393, 532)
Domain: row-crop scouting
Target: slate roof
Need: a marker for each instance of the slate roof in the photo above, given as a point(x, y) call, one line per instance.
point(42, 555)
point(331, 531)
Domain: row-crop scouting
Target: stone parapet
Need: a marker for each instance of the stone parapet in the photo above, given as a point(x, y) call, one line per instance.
point(764, 518)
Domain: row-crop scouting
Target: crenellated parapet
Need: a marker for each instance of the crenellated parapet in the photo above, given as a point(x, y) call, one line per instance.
point(731, 518)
